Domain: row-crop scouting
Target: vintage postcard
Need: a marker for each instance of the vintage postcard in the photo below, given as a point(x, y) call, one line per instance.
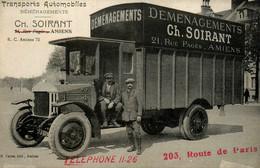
point(129, 83)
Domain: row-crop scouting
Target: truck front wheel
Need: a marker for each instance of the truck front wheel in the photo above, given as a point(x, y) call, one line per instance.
point(195, 122)
point(151, 127)
point(22, 131)
point(70, 134)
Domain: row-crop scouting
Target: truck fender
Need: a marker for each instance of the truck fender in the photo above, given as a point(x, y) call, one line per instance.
point(25, 107)
point(204, 103)
point(25, 101)
point(88, 112)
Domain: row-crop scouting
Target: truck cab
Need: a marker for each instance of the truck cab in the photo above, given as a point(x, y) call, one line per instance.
point(91, 58)
point(69, 113)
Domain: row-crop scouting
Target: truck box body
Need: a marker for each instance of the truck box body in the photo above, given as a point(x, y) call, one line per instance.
point(175, 79)
point(180, 57)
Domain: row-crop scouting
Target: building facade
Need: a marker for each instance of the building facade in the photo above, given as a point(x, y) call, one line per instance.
point(241, 11)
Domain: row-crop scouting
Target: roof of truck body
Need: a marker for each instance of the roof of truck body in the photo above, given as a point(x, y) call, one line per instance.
point(64, 41)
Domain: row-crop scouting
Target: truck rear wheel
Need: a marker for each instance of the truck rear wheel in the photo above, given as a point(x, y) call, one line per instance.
point(22, 133)
point(195, 122)
point(70, 134)
point(151, 127)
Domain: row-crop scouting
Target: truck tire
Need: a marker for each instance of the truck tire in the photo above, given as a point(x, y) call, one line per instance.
point(151, 127)
point(195, 122)
point(181, 128)
point(21, 135)
point(70, 134)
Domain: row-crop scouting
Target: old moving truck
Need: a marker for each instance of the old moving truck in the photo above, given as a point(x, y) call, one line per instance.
point(183, 64)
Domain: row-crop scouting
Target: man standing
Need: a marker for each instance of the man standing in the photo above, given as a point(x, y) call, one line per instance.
point(110, 98)
point(132, 115)
point(246, 94)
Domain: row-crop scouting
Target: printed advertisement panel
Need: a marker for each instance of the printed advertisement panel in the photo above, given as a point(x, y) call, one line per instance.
point(166, 27)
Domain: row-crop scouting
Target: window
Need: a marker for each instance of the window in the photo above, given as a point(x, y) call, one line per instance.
point(241, 14)
point(82, 63)
point(253, 82)
point(74, 61)
point(127, 63)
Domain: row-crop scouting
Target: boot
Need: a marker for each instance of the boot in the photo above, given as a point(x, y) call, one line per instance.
point(139, 149)
point(132, 143)
point(113, 121)
point(104, 124)
point(103, 112)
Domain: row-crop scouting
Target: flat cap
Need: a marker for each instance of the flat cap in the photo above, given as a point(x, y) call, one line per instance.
point(109, 75)
point(130, 80)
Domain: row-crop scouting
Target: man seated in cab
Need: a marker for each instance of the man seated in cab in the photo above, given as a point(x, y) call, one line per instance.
point(132, 115)
point(110, 98)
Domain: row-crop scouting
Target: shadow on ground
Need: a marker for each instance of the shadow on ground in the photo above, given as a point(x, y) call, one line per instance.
point(217, 129)
point(120, 140)
point(110, 141)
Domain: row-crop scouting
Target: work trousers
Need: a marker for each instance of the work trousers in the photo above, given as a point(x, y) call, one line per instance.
point(118, 107)
point(133, 129)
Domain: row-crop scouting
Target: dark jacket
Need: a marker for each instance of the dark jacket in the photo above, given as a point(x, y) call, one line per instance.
point(114, 90)
point(132, 106)
point(246, 94)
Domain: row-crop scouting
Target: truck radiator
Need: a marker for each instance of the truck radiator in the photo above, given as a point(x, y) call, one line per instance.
point(43, 102)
